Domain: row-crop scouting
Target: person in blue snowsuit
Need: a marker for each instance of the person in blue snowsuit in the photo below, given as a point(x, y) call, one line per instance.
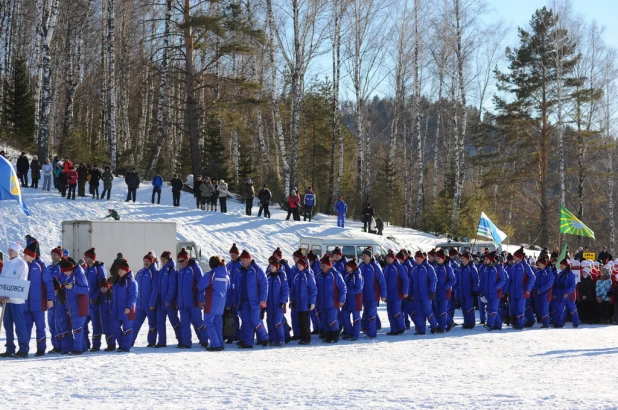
point(492, 282)
point(444, 289)
point(252, 296)
point(374, 290)
point(212, 290)
point(297, 255)
point(544, 286)
point(341, 208)
point(314, 267)
point(233, 269)
point(146, 307)
point(353, 302)
point(95, 273)
point(454, 264)
point(278, 294)
point(423, 281)
point(339, 262)
point(105, 308)
point(123, 306)
point(76, 291)
point(157, 184)
point(166, 289)
point(397, 288)
point(564, 290)
point(331, 297)
point(482, 305)
point(189, 275)
point(530, 320)
point(406, 304)
point(286, 270)
point(63, 324)
point(303, 297)
point(467, 289)
point(503, 307)
point(40, 297)
point(54, 272)
point(521, 283)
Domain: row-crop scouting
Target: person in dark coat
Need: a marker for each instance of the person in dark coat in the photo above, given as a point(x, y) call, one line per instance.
point(62, 182)
point(107, 177)
point(379, 224)
point(82, 178)
point(264, 196)
point(604, 255)
point(132, 181)
point(95, 179)
point(35, 171)
point(249, 193)
point(23, 166)
point(367, 217)
point(176, 189)
point(197, 191)
point(587, 303)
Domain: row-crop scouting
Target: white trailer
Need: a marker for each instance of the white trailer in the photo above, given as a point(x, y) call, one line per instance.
point(133, 238)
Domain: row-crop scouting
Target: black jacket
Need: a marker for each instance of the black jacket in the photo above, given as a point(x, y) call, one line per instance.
point(176, 184)
point(23, 165)
point(132, 180)
point(587, 288)
point(264, 196)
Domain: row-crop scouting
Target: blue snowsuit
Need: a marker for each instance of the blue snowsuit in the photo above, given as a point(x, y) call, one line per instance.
point(467, 289)
point(212, 290)
point(278, 294)
point(286, 271)
point(232, 294)
point(502, 306)
point(353, 304)
point(124, 295)
point(451, 303)
point(54, 271)
point(41, 291)
point(341, 208)
point(331, 292)
point(77, 303)
point(444, 288)
point(544, 286)
point(95, 276)
point(482, 306)
point(166, 289)
point(397, 285)
point(252, 289)
point(190, 312)
point(105, 308)
point(374, 288)
point(146, 298)
point(407, 305)
point(520, 285)
point(315, 269)
point(492, 282)
point(304, 290)
point(565, 285)
point(423, 282)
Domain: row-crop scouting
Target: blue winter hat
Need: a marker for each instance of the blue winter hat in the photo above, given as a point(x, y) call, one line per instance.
point(65, 252)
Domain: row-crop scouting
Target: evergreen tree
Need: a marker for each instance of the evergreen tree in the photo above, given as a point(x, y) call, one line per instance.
point(214, 150)
point(19, 104)
point(245, 168)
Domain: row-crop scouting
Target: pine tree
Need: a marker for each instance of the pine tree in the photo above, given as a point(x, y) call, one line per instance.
point(19, 104)
point(245, 167)
point(214, 150)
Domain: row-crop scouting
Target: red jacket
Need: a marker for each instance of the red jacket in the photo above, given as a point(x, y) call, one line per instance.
point(72, 177)
point(294, 201)
point(66, 167)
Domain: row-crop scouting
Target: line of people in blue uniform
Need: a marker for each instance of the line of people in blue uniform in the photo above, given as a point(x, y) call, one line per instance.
point(335, 296)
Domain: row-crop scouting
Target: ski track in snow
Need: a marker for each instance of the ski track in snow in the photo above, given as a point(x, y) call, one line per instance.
point(560, 368)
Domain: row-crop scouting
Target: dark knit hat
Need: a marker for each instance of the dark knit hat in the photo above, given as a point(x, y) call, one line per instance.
point(57, 251)
point(431, 252)
point(466, 255)
point(183, 254)
point(519, 253)
point(31, 249)
point(274, 261)
point(441, 255)
point(105, 284)
point(401, 255)
point(149, 257)
point(166, 254)
point(509, 257)
point(245, 255)
point(303, 262)
point(234, 250)
point(215, 261)
point(123, 264)
point(67, 265)
point(419, 254)
point(326, 260)
point(453, 252)
point(90, 253)
point(352, 264)
point(565, 262)
point(337, 251)
point(298, 253)
point(367, 252)
point(278, 253)
point(391, 255)
point(312, 256)
point(490, 256)
point(119, 255)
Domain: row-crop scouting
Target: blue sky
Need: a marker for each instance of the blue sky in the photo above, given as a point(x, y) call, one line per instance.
point(518, 13)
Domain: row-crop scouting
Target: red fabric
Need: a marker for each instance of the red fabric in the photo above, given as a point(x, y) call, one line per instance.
point(549, 295)
point(43, 297)
point(294, 201)
point(72, 177)
point(359, 302)
point(82, 305)
point(400, 288)
point(66, 167)
point(132, 313)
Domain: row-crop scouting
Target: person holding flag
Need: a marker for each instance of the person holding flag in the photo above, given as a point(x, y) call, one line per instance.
point(14, 309)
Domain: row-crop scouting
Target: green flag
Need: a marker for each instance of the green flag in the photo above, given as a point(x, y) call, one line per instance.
point(571, 225)
point(563, 252)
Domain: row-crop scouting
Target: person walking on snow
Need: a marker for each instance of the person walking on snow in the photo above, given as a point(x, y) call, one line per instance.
point(166, 289)
point(146, 305)
point(264, 196)
point(95, 274)
point(341, 208)
point(132, 181)
point(157, 185)
point(212, 290)
point(251, 299)
point(249, 193)
point(14, 314)
point(293, 204)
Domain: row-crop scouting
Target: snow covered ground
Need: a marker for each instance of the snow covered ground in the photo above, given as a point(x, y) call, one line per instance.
point(560, 368)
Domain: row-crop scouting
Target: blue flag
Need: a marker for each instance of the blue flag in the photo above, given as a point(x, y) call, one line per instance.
point(9, 184)
point(489, 230)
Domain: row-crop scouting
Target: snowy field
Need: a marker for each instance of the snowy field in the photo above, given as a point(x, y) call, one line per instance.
point(558, 368)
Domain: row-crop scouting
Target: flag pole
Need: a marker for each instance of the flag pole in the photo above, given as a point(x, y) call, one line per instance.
point(475, 236)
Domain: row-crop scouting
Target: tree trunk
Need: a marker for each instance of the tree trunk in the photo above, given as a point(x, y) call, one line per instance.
point(191, 103)
point(335, 120)
point(111, 87)
point(417, 120)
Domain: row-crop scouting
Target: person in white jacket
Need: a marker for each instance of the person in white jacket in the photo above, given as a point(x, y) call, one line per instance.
point(14, 317)
point(47, 175)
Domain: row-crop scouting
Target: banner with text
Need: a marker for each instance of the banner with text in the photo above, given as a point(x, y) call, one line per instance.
point(14, 288)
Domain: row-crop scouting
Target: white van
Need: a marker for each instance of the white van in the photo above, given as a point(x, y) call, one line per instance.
point(350, 247)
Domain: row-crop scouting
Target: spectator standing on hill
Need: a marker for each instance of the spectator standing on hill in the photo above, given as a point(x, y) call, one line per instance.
point(224, 193)
point(47, 175)
point(35, 172)
point(23, 166)
point(107, 177)
point(309, 203)
point(249, 195)
point(157, 185)
point(264, 196)
point(132, 181)
point(176, 189)
point(82, 178)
